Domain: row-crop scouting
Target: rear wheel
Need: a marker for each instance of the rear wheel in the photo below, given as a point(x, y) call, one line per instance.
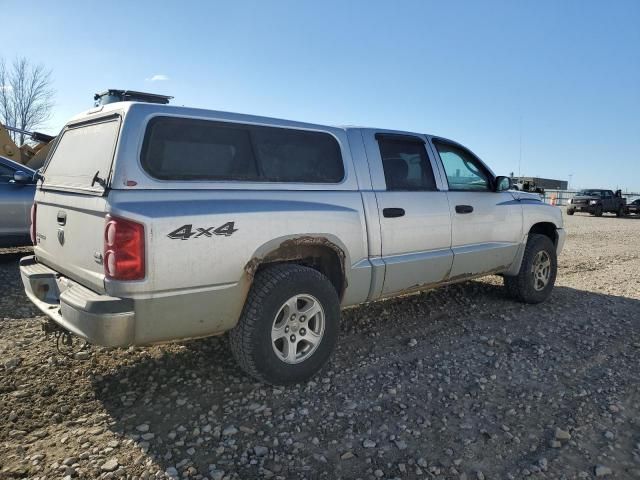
point(289, 325)
point(537, 276)
point(570, 211)
point(621, 212)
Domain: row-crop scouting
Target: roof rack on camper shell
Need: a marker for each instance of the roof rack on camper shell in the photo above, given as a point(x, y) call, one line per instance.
point(113, 95)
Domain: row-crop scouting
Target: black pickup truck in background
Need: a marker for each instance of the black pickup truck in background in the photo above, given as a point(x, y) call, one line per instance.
point(597, 201)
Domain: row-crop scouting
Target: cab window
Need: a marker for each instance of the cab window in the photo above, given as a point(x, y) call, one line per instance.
point(405, 164)
point(464, 172)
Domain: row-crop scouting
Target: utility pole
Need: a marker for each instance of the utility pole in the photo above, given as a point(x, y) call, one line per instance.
point(520, 156)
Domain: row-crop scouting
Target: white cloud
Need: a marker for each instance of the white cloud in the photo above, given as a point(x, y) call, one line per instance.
point(158, 78)
point(6, 87)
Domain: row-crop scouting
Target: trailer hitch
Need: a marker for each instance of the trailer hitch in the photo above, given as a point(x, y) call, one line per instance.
point(66, 342)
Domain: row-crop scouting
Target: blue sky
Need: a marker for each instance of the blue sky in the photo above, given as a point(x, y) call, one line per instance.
point(564, 73)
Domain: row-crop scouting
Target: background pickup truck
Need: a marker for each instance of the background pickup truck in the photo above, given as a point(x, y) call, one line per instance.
point(597, 201)
point(157, 223)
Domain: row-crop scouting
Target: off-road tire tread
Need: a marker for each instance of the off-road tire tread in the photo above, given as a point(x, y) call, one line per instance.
point(519, 286)
point(264, 283)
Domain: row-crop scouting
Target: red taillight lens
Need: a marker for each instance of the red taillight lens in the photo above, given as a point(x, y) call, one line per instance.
point(123, 249)
point(32, 229)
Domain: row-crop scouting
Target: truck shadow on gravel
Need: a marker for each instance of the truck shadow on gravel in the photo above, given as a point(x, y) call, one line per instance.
point(460, 379)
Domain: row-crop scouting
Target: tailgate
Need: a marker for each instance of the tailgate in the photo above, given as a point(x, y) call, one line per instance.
point(71, 202)
point(69, 233)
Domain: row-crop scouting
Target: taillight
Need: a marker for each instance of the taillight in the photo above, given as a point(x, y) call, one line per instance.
point(32, 228)
point(123, 249)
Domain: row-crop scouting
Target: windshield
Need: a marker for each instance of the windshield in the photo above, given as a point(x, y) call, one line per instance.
point(589, 193)
point(82, 157)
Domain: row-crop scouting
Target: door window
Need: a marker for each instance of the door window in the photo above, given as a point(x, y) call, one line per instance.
point(406, 165)
point(464, 172)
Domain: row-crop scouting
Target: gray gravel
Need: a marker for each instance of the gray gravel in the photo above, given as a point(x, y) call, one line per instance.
point(455, 383)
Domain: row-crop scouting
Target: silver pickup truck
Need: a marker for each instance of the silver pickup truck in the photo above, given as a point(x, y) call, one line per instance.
point(156, 223)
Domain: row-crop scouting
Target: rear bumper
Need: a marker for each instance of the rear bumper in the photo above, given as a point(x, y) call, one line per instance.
point(99, 319)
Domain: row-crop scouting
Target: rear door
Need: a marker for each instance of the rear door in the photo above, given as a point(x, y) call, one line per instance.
point(414, 214)
point(486, 226)
point(71, 205)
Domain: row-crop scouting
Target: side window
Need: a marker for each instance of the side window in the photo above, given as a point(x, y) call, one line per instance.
point(463, 171)
point(189, 149)
point(287, 155)
point(6, 175)
point(406, 165)
point(185, 149)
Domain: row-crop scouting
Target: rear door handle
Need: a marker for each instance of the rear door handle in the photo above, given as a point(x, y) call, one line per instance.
point(393, 212)
point(62, 218)
point(464, 209)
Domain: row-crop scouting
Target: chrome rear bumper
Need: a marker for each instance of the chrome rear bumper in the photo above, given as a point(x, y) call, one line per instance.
point(99, 319)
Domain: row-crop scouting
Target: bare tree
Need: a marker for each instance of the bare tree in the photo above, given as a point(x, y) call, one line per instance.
point(26, 96)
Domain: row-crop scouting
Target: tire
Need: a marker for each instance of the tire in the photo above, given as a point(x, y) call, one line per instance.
point(278, 294)
point(525, 286)
point(598, 212)
point(570, 212)
point(621, 212)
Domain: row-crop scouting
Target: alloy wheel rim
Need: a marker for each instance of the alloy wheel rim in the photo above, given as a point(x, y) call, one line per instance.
point(298, 328)
point(541, 270)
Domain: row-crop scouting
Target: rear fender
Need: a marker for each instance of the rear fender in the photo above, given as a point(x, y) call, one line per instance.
point(298, 248)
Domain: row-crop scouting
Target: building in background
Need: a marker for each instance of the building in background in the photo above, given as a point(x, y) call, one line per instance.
point(545, 183)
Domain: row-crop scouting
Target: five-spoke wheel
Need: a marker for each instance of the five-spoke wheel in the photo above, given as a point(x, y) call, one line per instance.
point(289, 324)
point(297, 328)
point(537, 275)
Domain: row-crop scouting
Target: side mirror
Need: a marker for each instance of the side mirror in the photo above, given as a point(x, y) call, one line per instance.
point(22, 177)
point(503, 183)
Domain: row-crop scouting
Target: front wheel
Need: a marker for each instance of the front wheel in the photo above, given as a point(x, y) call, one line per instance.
point(621, 212)
point(537, 276)
point(598, 212)
point(570, 211)
point(289, 325)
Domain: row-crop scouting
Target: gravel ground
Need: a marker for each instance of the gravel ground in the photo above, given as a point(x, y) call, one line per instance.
point(455, 383)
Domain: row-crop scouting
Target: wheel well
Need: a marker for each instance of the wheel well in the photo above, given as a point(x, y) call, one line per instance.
point(317, 253)
point(545, 228)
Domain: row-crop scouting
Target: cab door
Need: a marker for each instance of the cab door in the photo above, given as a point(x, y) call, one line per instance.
point(486, 226)
point(608, 201)
point(415, 221)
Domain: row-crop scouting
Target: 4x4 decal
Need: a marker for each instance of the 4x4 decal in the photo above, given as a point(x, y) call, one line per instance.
point(186, 232)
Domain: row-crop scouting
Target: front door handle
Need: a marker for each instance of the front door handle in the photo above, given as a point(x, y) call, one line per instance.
point(464, 209)
point(393, 212)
